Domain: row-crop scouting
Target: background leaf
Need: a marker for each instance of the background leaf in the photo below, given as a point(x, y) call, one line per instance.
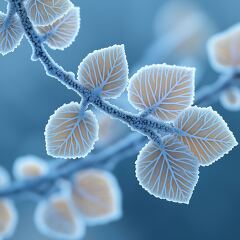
point(224, 49)
point(97, 196)
point(56, 218)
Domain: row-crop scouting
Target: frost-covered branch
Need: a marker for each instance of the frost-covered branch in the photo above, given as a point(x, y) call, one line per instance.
point(182, 137)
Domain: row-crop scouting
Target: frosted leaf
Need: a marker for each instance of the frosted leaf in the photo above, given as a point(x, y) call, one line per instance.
point(206, 133)
point(11, 34)
point(163, 90)
point(29, 167)
point(56, 218)
point(105, 71)
point(169, 172)
point(230, 99)
point(8, 218)
point(4, 178)
point(44, 12)
point(224, 49)
point(97, 196)
point(70, 134)
point(62, 33)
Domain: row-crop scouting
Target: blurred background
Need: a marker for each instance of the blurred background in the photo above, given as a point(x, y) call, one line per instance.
point(153, 31)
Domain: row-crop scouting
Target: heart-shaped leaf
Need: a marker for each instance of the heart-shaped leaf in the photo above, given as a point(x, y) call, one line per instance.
point(62, 33)
point(162, 90)
point(206, 133)
point(105, 71)
point(70, 134)
point(169, 172)
point(11, 34)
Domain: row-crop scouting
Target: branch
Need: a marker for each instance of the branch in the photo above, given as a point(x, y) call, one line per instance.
point(123, 149)
point(135, 122)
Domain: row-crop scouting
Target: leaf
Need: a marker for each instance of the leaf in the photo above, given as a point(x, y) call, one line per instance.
point(105, 71)
point(29, 167)
point(224, 49)
point(11, 34)
point(206, 133)
point(70, 134)
point(169, 172)
point(62, 33)
point(56, 218)
point(9, 218)
point(97, 196)
point(44, 12)
point(162, 90)
point(4, 178)
point(230, 99)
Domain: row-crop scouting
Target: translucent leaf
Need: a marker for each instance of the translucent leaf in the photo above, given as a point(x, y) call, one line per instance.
point(56, 218)
point(62, 33)
point(169, 172)
point(105, 71)
point(70, 134)
point(162, 90)
point(29, 167)
point(205, 133)
point(11, 34)
point(97, 196)
point(224, 49)
point(4, 178)
point(44, 12)
point(8, 219)
point(230, 99)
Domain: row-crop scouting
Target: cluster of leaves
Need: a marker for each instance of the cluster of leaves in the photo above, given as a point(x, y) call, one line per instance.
point(91, 197)
point(57, 23)
point(167, 168)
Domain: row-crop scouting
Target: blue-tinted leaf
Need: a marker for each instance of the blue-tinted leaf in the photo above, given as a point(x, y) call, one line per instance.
point(97, 196)
point(163, 90)
point(8, 218)
point(56, 218)
point(29, 167)
point(105, 71)
point(230, 99)
point(11, 34)
point(62, 33)
point(206, 133)
point(44, 12)
point(4, 177)
point(169, 172)
point(224, 49)
point(70, 134)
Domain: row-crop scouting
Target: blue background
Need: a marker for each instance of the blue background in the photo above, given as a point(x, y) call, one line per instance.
point(28, 97)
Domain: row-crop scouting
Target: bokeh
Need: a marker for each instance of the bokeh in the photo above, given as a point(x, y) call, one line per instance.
point(28, 97)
